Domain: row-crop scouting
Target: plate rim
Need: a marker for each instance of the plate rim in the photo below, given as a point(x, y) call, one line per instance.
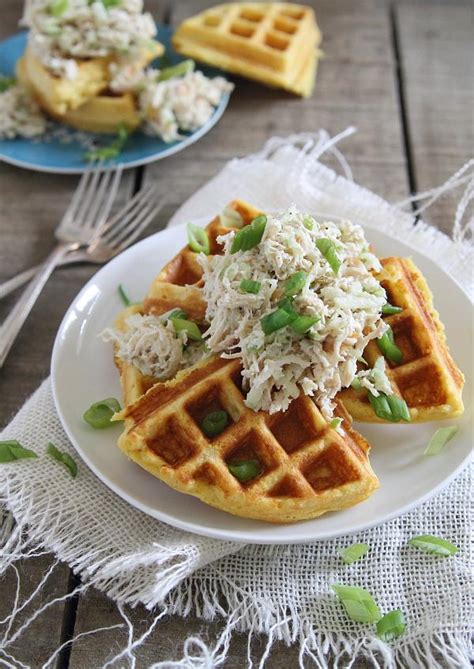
point(237, 536)
point(132, 164)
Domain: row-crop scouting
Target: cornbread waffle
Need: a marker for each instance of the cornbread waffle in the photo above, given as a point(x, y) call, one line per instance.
point(275, 43)
point(57, 95)
point(428, 378)
point(307, 468)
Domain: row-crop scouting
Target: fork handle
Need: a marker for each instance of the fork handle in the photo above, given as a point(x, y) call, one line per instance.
point(13, 323)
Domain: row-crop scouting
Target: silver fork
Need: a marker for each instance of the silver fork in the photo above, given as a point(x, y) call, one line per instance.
point(85, 215)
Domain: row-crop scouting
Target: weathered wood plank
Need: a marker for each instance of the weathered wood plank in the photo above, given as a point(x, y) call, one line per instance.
point(437, 56)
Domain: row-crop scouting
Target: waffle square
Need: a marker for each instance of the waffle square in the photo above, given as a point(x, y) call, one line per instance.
point(275, 43)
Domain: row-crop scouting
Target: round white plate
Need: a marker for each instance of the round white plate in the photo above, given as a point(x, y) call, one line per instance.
point(83, 372)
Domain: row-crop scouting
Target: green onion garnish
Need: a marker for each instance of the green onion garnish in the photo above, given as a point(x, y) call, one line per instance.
point(308, 224)
point(178, 70)
point(359, 604)
point(287, 305)
point(295, 284)
point(214, 423)
point(390, 407)
point(335, 423)
point(245, 470)
point(388, 348)
point(113, 150)
point(250, 235)
point(302, 324)
point(328, 250)
point(11, 450)
point(123, 296)
point(6, 83)
point(249, 286)
point(176, 313)
point(430, 544)
point(388, 309)
point(99, 414)
point(391, 626)
point(198, 239)
point(58, 7)
point(276, 320)
point(356, 384)
point(190, 327)
point(440, 439)
point(63, 458)
point(109, 3)
point(353, 553)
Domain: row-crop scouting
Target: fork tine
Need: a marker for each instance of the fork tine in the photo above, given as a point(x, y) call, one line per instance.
point(107, 204)
point(127, 213)
point(82, 215)
point(132, 232)
point(99, 199)
point(78, 194)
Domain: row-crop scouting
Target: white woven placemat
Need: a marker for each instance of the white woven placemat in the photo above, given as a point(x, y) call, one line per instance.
point(281, 591)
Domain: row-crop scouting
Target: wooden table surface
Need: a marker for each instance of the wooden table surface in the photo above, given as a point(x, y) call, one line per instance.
point(401, 72)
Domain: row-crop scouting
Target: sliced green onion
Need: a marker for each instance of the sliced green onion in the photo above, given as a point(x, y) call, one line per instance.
point(287, 305)
point(249, 286)
point(388, 309)
point(356, 384)
point(231, 218)
point(359, 604)
point(58, 7)
point(430, 544)
point(308, 224)
point(276, 320)
point(111, 3)
point(178, 70)
point(353, 553)
point(390, 407)
point(11, 450)
point(335, 423)
point(198, 239)
point(177, 313)
point(190, 327)
point(113, 150)
point(99, 414)
point(302, 324)
point(215, 423)
point(245, 470)
point(388, 348)
point(6, 83)
point(295, 284)
point(63, 458)
point(123, 296)
point(391, 626)
point(440, 439)
point(250, 235)
point(328, 250)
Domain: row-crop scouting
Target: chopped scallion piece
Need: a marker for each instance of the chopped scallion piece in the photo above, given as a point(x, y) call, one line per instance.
point(123, 296)
point(308, 224)
point(276, 320)
point(245, 470)
point(113, 150)
point(110, 3)
point(287, 305)
point(249, 286)
point(215, 423)
point(328, 250)
point(295, 284)
point(197, 239)
point(190, 327)
point(388, 348)
point(353, 553)
point(359, 604)
point(250, 235)
point(388, 309)
point(430, 544)
point(11, 450)
point(178, 70)
point(64, 458)
point(391, 626)
point(99, 415)
point(356, 384)
point(6, 83)
point(231, 218)
point(440, 439)
point(390, 407)
point(335, 423)
point(58, 7)
point(177, 313)
point(302, 324)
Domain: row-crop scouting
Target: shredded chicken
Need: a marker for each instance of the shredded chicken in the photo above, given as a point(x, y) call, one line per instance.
point(152, 345)
point(322, 361)
point(375, 380)
point(20, 116)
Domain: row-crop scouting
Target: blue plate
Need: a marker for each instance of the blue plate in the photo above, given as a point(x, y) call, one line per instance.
point(62, 150)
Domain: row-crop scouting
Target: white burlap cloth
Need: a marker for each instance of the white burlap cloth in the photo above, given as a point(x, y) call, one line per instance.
point(281, 591)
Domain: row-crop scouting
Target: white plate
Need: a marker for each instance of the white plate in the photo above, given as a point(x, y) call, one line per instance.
point(83, 372)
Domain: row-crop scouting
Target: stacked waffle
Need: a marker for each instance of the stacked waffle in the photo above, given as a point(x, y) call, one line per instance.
point(303, 465)
point(275, 43)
